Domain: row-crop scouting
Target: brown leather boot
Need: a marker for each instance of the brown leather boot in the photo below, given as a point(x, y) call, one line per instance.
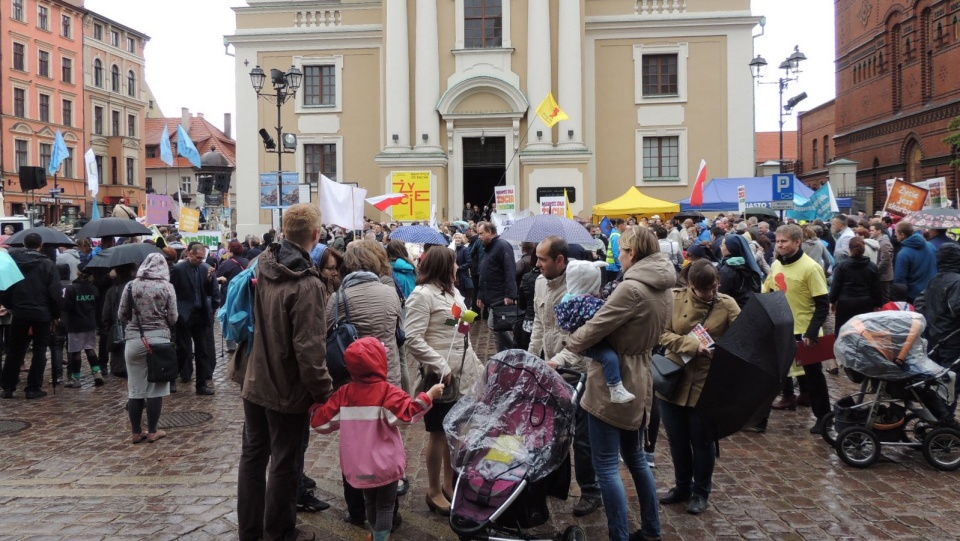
point(803, 400)
point(786, 403)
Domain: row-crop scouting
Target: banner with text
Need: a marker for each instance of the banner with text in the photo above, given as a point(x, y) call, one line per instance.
point(937, 193)
point(159, 207)
point(506, 198)
point(416, 186)
point(189, 220)
point(904, 198)
point(553, 205)
point(822, 205)
point(742, 199)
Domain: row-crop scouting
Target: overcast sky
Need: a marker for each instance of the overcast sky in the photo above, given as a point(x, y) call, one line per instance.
point(187, 67)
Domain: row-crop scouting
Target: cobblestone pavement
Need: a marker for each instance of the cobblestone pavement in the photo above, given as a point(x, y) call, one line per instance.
point(72, 474)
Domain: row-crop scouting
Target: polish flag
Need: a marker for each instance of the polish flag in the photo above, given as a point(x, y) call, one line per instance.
point(696, 198)
point(383, 202)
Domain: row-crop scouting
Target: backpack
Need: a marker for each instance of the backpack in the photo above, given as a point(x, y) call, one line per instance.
point(236, 313)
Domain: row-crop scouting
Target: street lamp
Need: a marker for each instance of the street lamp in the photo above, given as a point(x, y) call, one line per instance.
point(791, 70)
point(285, 86)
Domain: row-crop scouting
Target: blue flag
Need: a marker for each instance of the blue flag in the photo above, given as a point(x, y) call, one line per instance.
point(60, 153)
point(95, 215)
point(166, 153)
point(605, 226)
point(186, 148)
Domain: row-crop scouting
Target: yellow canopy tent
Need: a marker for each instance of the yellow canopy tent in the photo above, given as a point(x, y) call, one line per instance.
point(635, 203)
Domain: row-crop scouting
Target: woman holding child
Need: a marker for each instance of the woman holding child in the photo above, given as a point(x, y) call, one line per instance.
point(691, 448)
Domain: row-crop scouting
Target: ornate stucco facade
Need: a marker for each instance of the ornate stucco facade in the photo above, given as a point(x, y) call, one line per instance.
point(452, 87)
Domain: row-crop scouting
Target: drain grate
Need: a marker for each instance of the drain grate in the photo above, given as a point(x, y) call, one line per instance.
point(12, 426)
point(179, 419)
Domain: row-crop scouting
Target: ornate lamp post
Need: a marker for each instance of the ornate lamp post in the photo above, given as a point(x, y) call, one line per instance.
point(791, 71)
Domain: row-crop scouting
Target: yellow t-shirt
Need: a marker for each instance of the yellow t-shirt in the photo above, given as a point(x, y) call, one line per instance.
point(800, 281)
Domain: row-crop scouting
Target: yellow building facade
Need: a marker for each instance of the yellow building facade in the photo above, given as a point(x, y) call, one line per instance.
point(651, 87)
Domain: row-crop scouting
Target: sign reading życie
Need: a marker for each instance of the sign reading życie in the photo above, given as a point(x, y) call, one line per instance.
point(904, 198)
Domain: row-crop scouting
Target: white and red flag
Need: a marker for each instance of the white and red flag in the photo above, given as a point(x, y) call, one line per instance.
point(383, 202)
point(696, 197)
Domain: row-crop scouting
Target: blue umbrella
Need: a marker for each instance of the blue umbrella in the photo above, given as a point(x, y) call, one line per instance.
point(418, 234)
point(9, 271)
point(537, 228)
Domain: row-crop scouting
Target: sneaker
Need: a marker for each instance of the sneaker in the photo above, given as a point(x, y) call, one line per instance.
point(39, 393)
point(620, 395)
point(73, 382)
point(698, 504)
point(308, 503)
point(588, 504)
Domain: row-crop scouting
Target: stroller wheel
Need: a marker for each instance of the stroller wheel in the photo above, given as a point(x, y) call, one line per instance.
point(941, 448)
point(829, 431)
point(573, 533)
point(858, 447)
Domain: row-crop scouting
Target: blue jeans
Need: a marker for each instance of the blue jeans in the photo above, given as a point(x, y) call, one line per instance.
point(608, 359)
point(608, 441)
point(692, 452)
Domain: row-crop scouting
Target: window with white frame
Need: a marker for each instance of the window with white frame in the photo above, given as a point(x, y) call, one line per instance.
point(67, 112)
point(114, 38)
point(131, 168)
point(115, 124)
point(43, 63)
point(321, 90)
point(20, 102)
point(319, 159)
point(482, 24)
point(186, 184)
point(98, 73)
point(115, 78)
point(662, 156)
point(66, 26)
point(98, 120)
point(21, 153)
point(98, 32)
point(44, 108)
point(660, 73)
point(43, 18)
point(131, 45)
point(99, 160)
point(17, 12)
point(131, 125)
point(46, 151)
point(19, 57)
point(67, 68)
point(131, 84)
point(66, 168)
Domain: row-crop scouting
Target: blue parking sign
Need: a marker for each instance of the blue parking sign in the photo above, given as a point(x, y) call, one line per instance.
point(783, 187)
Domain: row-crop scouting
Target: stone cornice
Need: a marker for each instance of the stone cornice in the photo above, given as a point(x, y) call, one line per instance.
point(906, 122)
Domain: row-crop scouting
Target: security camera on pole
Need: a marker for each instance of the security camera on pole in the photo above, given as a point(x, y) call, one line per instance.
point(790, 67)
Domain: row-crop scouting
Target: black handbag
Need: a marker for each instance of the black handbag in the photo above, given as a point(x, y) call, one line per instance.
point(666, 373)
point(115, 335)
point(162, 366)
point(339, 337)
point(429, 379)
point(504, 316)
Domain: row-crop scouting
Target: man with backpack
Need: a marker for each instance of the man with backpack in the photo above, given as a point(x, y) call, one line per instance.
point(286, 373)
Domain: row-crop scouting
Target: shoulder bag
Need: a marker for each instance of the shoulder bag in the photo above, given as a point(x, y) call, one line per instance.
point(666, 373)
point(339, 337)
point(429, 379)
point(504, 316)
point(162, 366)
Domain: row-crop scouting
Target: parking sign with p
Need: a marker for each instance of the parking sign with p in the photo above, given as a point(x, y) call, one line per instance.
point(783, 187)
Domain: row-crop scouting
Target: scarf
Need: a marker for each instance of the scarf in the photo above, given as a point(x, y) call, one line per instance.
point(357, 278)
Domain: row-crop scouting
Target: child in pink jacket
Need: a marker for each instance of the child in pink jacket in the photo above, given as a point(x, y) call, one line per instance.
point(367, 411)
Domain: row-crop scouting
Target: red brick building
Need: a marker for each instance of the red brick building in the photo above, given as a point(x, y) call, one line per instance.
point(768, 148)
point(898, 87)
point(815, 148)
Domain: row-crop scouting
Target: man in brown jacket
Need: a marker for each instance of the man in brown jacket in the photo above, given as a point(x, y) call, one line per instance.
point(285, 375)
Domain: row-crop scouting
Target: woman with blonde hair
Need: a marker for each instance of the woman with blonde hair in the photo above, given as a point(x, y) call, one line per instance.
point(632, 321)
point(444, 353)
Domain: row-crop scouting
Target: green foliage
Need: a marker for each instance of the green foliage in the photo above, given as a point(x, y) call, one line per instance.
point(954, 138)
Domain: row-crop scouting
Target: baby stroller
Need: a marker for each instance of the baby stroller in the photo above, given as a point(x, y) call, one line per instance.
point(510, 439)
point(904, 396)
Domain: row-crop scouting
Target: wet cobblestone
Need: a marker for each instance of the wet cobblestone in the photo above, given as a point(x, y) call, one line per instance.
point(73, 475)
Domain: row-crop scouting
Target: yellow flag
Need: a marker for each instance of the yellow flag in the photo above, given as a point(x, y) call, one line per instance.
point(566, 200)
point(550, 112)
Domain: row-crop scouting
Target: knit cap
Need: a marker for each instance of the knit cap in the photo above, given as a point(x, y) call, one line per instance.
point(583, 277)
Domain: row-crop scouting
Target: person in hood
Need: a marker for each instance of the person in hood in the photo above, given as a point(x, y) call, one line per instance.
point(35, 303)
point(148, 308)
point(404, 272)
point(855, 288)
point(740, 274)
point(286, 374)
point(632, 321)
point(71, 258)
point(940, 304)
point(372, 456)
point(80, 309)
point(916, 263)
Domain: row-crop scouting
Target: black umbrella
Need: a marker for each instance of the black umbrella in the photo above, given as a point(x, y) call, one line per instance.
point(125, 254)
point(761, 211)
point(694, 215)
point(749, 364)
point(113, 227)
point(48, 235)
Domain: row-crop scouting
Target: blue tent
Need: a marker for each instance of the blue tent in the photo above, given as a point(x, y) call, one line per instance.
point(720, 194)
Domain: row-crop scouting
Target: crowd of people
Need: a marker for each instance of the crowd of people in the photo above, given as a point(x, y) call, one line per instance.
point(604, 309)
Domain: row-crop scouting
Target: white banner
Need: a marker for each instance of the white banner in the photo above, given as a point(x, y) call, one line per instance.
point(93, 177)
point(341, 204)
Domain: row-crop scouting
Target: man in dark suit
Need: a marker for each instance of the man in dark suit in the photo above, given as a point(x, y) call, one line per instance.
point(197, 298)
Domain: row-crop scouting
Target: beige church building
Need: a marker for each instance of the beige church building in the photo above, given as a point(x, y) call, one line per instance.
point(451, 87)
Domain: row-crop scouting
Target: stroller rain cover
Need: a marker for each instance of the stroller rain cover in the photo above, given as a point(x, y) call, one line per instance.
point(515, 422)
point(885, 345)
